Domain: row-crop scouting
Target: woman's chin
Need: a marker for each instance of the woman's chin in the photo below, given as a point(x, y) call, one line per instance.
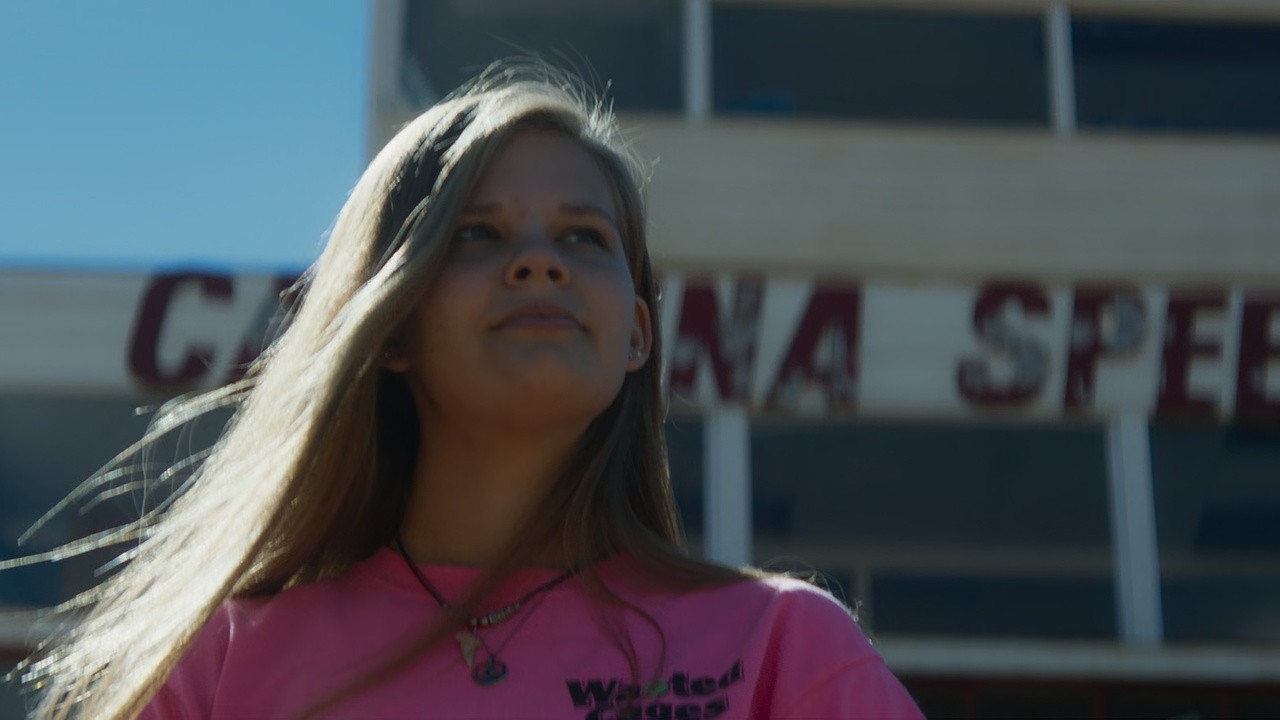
point(553, 400)
point(551, 377)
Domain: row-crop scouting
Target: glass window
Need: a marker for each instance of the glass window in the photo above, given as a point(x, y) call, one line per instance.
point(879, 64)
point(1040, 698)
point(1217, 492)
point(13, 702)
point(1154, 75)
point(48, 445)
point(1187, 700)
point(969, 529)
point(685, 453)
point(632, 45)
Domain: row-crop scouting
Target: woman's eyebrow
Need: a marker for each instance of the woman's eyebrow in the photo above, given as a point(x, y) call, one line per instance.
point(588, 209)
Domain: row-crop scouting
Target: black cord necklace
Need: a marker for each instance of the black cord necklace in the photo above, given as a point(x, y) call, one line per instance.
point(492, 669)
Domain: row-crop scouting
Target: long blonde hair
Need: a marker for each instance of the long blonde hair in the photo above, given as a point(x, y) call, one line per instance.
point(312, 472)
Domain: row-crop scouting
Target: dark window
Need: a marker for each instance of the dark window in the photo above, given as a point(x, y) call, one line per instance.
point(1188, 700)
point(13, 702)
point(1153, 75)
point(48, 445)
point(879, 64)
point(944, 528)
point(1063, 607)
point(1217, 492)
point(632, 46)
point(1026, 698)
point(685, 453)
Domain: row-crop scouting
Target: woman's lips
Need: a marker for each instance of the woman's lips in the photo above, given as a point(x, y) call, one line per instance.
point(540, 315)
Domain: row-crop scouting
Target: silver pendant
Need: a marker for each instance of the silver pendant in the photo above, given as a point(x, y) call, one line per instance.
point(489, 672)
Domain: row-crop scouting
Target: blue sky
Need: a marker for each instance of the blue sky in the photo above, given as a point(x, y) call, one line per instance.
point(140, 134)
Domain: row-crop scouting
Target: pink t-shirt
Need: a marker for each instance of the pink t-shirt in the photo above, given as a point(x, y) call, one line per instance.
point(778, 648)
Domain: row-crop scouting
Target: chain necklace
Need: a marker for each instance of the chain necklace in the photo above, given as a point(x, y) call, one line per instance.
point(491, 670)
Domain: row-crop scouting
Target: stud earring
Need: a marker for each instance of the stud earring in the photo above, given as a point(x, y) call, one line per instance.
point(634, 354)
point(391, 351)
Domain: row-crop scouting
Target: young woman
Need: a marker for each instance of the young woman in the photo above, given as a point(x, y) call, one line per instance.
point(444, 492)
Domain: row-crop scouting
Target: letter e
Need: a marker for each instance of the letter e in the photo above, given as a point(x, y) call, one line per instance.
point(1180, 348)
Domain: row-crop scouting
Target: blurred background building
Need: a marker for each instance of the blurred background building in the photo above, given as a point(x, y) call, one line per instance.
point(971, 307)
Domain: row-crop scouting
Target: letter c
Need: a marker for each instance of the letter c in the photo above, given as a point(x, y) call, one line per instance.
point(145, 341)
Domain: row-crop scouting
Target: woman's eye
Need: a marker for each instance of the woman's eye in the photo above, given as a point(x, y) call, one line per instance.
point(477, 231)
point(589, 236)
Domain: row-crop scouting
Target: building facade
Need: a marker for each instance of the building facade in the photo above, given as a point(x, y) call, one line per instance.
point(972, 310)
point(972, 307)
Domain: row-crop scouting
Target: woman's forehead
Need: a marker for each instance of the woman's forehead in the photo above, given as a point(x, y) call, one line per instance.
point(536, 161)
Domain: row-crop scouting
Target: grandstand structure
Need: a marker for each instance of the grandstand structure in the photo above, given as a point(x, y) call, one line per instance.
point(970, 306)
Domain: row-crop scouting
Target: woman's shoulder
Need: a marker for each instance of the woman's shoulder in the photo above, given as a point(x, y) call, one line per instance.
point(817, 660)
point(365, 597)
point(775, 594)
point(766, 610)
point(788, 589)
point(251, 645)
point(798, 649)
point(793, 609)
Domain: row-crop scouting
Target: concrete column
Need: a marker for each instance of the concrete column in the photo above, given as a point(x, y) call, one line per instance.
point(1133, 532)
point(727, 485)
point(1061, 68)
point(697, 59)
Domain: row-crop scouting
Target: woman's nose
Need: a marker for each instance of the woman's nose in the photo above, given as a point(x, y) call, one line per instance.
point(536, 259)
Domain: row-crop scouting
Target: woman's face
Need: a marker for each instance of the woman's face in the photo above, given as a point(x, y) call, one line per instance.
point(534, 317)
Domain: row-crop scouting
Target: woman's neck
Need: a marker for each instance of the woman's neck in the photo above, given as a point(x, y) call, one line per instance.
point(472, 493)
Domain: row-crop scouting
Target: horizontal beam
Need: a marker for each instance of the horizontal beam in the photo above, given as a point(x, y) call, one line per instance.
point(1074, 660)
point(1027, 562)
point(21, 629)
point(1227, 10)
point(919, 202)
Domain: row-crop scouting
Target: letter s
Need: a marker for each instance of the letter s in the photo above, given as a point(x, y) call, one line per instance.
point(1029, 358)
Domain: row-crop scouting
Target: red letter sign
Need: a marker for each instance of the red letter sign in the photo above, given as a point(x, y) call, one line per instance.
point(1258, 348)
point(1092, 336)
point(729, 345)
point(144, 345)
point(1029, 358)
point(828, 328)
point(1180, 348)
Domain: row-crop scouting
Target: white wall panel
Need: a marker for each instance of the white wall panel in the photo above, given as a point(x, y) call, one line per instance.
point(875, 201)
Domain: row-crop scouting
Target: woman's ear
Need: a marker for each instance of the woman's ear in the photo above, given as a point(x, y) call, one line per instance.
point(641, 336)
point(394, 357)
